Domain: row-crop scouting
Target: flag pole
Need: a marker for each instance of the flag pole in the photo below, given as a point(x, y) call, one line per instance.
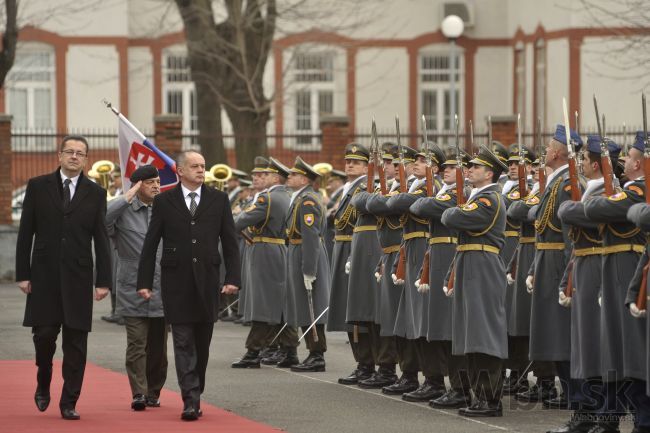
point(110, 106)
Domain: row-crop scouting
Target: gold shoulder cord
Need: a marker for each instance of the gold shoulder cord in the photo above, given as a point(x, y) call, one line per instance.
point(494, 220)
point(625, 235)
point(259, 230)
point(547, 214)
point(350, 212)
point(293, 229)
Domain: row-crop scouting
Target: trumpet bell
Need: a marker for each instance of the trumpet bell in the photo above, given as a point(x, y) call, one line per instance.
point(101, 170)
point(220, 173)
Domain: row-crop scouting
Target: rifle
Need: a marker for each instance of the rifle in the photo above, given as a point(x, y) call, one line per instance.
point(542, 164)
point(370, 178)
point(400, 272)
point(460, 179)
point(429, 171)
point(489, 143)
point(380, 166)
point(522, 162)
point(641, 300)
point(605, 161)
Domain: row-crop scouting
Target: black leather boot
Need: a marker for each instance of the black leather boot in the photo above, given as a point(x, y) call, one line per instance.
point(384, 376)
point(250, 360)
point(362, 372)
point(453, 399)
point(407, 383)
point(315, 362)
point(430, 389)
point(290, 358)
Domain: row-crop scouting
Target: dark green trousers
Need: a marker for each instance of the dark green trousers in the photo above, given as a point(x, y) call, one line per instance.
point(384, 349)
point(485, 376)
point(407, 355)
point(316, 346)
point(146, 354)
point(362, 349)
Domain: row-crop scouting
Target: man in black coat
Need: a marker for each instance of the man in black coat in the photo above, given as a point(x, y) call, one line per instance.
point(63, 213)
point(191, 219)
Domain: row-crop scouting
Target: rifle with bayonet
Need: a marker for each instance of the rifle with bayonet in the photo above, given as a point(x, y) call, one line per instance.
point(460, 178)
point(641, 300)
point(400, 272)
point(424, 275)
point(605, 161)
point(370, 178)
point(542, 163)
point(521, 168)
point(379, 161)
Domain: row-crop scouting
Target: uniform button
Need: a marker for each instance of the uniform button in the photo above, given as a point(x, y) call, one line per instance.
point(63, 239)
point(193, 222)
point(193, 241)
point(194, 259)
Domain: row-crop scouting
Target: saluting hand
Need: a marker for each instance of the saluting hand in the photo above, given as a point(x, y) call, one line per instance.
point(25, 286)
point(100, 293)
point(132, 191)
point(144, 294)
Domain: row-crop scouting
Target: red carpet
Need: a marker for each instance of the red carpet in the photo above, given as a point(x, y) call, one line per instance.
point(104, 406)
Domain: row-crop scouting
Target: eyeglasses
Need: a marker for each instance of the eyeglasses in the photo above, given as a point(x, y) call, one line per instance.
point(77, 153)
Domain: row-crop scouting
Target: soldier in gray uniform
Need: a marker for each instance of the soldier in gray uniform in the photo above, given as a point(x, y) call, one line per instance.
point(334, 187)
point(550, 339)
point(345, 218)
point(308, 275)
point(584, 272)
point(391, 238)
point(479, 328)
point(266, 261)
point(442, 248)
point(624, 364)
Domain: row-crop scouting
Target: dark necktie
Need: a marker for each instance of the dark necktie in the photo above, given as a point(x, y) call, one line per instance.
point(193, 204)
point(66, 193)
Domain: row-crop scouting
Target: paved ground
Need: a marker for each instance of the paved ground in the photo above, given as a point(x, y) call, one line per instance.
point(293, 402)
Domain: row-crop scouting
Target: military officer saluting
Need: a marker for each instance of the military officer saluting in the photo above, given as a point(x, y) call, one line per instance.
point(479, 286)
point(308, 275)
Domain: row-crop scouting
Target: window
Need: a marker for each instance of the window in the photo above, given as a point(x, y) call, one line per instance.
point(30, 96)
point(313, 76)
point(179, 96)
point(435, 90)
point(520, 80)
point(540, 80)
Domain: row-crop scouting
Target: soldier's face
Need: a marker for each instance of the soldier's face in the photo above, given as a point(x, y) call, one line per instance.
point(389, 169)
point(535, 173)
point(259, 180)
point(295, 181)
point(513, 170)
point(333, 183)
point(355, 167)
point(449, 174)
point(633, 163)
point(479, 175)
point(420, 167)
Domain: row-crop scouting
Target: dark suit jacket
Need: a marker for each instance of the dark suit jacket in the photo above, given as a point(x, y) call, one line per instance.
point(61, 265)
point(190, 260)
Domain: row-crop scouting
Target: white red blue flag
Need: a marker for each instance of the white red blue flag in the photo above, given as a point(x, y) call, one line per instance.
point(136, 150)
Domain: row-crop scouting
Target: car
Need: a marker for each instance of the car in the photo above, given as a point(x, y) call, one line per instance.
point(17, 198)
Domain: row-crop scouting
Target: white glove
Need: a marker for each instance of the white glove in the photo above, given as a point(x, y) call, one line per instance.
point(600, 301)
point(509, 279)
point(529, 284)
point(396, 281)
point(448, 292)
point(634, 310)
point(347, 268)
point(378, 276)
point(308, 279)
point(564, 300)
point(422, 288)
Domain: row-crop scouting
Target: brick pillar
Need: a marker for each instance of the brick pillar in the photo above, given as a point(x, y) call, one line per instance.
point(5, 169)
point(504, 129)
point(336, 135)
point(168, 133)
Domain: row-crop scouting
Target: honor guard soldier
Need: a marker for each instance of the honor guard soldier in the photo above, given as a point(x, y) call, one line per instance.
point(265, 264)
point(345, 218)
point(389, 236)
point(334, 188)
point(512, 194)
point(479, 284)
point(502, 153)
point(583, 287)
point(549, 339)
point(442, 248)
point(624, 364)
point(393, 224)
point(308, 276)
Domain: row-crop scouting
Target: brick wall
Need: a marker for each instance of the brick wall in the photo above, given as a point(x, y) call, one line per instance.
point(5, 169)
point(168, 133)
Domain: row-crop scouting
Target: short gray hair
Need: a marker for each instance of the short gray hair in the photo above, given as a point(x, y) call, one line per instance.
point(182, 157)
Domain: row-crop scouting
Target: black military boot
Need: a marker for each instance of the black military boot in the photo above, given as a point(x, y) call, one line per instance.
point(315, 362)
point(362, 372)
point(250, 360)
point(274, 357)
point(514, 384)
point(452, 399)
point(384, 376)
point(482, 408)
point(431, 388)
point(558, 402)
point(605, 427)
point(289, 359)
point(544, 391)
point(268, 351)
point(407, 383)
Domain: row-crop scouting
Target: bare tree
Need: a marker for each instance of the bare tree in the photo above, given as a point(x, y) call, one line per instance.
point(9, 39)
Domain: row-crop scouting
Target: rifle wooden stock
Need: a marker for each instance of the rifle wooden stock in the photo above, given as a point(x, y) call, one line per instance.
point(424, 276)
point(402, 178)
point(460, 186)
point(522, 180)
point(370, 180)
point(382, 179)
point(429, 181)
point(568, 290)
point(608, 174)
point(542, 179)
point(576, 194)
point(400, 272)
point(646, 172)
point(641, 300)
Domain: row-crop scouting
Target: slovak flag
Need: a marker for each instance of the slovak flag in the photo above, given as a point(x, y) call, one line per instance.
point(135, 150)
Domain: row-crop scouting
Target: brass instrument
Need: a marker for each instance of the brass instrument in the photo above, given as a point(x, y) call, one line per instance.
point(324, 169)
point(209, 179)
point(221, 173)
point(101, 171)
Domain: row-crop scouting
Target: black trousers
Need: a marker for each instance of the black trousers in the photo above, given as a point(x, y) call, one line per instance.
point(191, 353)
point(362, 349)
point(74, 345)
point(315, 346)
point(407, 355)
point(384, 349)
point(259, 336)
point(486, 376)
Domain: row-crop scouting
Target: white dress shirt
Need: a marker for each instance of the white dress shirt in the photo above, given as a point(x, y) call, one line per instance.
point(73, 183)
point(188, 199)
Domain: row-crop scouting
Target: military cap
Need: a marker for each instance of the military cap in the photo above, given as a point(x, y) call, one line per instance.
point(143, 173)
point(387, 151)
point(639, 144)
point(451, 159)
point(301, 167)
point(489, 159)
point(245, 182)
point(560, 135)
point(357, 151)
point(277, 167)
point(593, 145)
point(409, 154)
point(500, 151)
point(338, 174)
point(537, 162)
point(529, 155)
point(437, 155)
point(239, 174)
point(260, 165)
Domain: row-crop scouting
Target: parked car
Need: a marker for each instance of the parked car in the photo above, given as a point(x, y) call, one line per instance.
point(17, 198)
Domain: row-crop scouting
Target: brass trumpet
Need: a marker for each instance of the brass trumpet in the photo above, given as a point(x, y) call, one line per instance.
point(221, 173)
point(324, 169)
point(101, 170)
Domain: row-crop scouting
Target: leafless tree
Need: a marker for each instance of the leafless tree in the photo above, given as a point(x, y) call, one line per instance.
point(9, 39)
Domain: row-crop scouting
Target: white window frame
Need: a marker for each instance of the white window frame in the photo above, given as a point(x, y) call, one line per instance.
point(442, 88)
point(187, 90)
